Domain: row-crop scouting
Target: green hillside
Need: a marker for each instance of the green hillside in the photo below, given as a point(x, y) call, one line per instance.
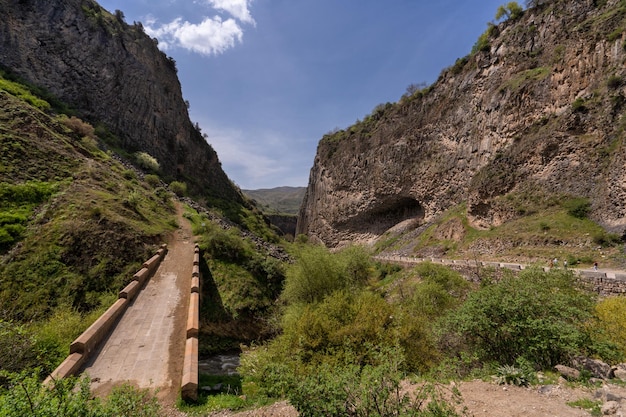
point(284, 200)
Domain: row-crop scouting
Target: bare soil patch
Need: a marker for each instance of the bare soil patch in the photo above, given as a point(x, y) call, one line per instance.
point(484, 399)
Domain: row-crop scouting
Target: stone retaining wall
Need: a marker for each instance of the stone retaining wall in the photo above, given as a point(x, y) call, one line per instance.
point(84, 345)
point(190, 379)
point(604, 283)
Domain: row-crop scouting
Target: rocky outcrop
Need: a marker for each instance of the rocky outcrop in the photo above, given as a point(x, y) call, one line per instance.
point(538, 107)
point(113, 73)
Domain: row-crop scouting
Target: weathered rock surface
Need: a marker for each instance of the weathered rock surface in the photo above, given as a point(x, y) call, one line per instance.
point(540, 109)
point(113, 73)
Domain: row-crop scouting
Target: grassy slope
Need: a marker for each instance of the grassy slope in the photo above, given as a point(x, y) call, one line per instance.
point(286, 200)
point(88, 226)
point(544, 227)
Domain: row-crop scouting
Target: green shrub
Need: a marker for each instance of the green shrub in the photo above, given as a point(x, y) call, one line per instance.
point(611, 319)
point(152, 180)
point(520, 376)
point(536, 316)
point(578, 207)
point(16, 347)
point(226, 245)
point(614, 81)
point(83, 129)
point(343, 320)
point(594, 407)
point(346, 388)
point(482, 44)
point(579, 105)
point(512, 10)
point(178, 188)
point(146, 161)
point(317, 273)
point(607, 239)
point(70, 397)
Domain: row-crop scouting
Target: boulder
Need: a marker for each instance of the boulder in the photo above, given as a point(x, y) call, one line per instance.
point(567, 372)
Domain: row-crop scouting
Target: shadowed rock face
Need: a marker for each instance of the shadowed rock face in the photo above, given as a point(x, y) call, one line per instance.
point(540, 109)
point(113, 73)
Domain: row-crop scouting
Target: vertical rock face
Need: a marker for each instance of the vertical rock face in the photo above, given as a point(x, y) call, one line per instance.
point(113, 73)
point(540, 107)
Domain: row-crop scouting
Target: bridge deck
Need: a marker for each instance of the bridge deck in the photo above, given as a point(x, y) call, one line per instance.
point(146, 347)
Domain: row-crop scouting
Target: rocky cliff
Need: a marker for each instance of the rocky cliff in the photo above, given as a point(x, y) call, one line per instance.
point(538, 106)
point(113, 73)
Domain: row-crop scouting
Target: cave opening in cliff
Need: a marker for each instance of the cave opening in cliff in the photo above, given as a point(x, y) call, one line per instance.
point(388, 213)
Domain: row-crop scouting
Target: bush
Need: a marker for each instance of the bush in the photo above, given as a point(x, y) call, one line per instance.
point(70, 397)
point(344, 320)
point(579, 208)
point(225, 245)
point(178, 188)
point(579, 105)
point(536, 316)
point(16, 347)
point(80, 127)
point(512, 10)
point(348, 389)
point(611, 318)
point(147, 162)
point(441, 289)
point(318, 273)
point(152, 180)
point(607, 239)
point(614, 81)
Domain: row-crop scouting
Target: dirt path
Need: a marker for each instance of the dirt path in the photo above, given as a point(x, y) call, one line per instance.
point(147, 346)
point(484, 399)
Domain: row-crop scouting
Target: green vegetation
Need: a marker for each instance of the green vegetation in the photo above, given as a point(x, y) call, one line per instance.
point(352, 332)
point(241, 285)
point(611, 320)
point(179, 188)
point(594, 407)
point(24, 395)
point(524, 78)
point(536, 316)
point(278, 200)
point(512, 10)
point(147, 162)
point(482, 43)
point(17, 204)
point(23, 93)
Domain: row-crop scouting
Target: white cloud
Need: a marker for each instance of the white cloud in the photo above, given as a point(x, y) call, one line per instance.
point(237, 8)
point(261, 163)
point(212, 36)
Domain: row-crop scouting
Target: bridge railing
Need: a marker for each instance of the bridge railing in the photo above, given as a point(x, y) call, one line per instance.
point(85, 344)
point(190, 378)
point(605, 283)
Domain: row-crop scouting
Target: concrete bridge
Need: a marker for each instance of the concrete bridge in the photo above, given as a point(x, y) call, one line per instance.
point(149, 336)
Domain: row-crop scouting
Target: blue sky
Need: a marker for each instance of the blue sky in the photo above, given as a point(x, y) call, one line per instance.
point(266, 79)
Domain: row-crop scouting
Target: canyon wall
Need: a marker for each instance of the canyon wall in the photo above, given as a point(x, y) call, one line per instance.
point(537, 108)
point(111, 73)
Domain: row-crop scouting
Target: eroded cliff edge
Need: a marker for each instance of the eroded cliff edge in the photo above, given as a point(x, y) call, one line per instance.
point(538, 108)
point(113, 73)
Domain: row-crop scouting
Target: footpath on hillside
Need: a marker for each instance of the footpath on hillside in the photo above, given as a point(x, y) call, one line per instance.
point(146, 348)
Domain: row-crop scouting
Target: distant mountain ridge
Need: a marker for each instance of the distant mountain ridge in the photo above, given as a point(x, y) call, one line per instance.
point(284, 200)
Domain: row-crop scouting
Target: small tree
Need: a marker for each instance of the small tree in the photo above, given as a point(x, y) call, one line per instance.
point(537, 316)
point(511, 10)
